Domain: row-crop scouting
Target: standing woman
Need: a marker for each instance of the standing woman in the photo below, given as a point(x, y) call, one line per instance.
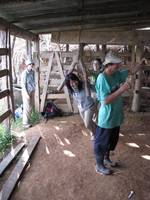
point(81, 94)
point(97, 68)
point(110, 85)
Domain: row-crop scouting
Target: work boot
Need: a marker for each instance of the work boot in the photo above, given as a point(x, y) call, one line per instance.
point(103, 170)
point(108, 161)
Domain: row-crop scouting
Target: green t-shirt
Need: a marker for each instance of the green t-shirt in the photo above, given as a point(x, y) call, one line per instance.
point(110, 115)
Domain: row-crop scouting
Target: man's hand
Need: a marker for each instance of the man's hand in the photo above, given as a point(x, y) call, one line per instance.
point(129, 81)
point(126, 86)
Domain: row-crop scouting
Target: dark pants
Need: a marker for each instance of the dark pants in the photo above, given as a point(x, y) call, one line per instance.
point(105, 141)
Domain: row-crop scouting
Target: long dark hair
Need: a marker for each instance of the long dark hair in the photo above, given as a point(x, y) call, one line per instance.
point(73, 77)
point(99, 61)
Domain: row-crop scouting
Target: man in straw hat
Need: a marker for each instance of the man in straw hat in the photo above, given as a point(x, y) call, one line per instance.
point(110, 85)
point(28, 89)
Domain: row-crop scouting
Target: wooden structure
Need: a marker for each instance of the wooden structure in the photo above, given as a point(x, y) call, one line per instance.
point(54, 74)
point(105, 22)
point(100, 22)
point(6, 76)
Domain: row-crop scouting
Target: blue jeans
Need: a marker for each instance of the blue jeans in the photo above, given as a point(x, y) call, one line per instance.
point(105, 141)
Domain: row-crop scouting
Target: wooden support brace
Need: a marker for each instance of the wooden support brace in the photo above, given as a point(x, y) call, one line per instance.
point(4, 72)
point(5, 115)
point(62, 77)
point(56, 96)
point(3, 51)
point(4, 93)
point(44, 94)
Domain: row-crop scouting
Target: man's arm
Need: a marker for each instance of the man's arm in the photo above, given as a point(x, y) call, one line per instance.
point(113, 96)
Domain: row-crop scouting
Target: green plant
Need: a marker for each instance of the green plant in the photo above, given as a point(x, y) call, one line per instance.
point(6, 139)
point(35, 117)
point(17, 124)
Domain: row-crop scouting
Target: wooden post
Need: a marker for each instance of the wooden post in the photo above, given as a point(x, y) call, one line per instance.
point(81, 50)
point(97, 47)
point(13, 67)
point(136, 95)
point(37, 75)
point(29, 49)
point(104, 50)
point(10, 78)
point(67, 47)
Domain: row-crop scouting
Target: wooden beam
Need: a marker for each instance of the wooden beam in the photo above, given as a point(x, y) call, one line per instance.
point(12, 180)
point(29, 49)
point(56, 96)
point(44, 94)
point(89, 21)
point(5, 115)
point(62, 78)
point(3, 51)
point(17, 31)
point(4, 93)
point(37, 75)
point(9, 158)
point(77, 28)
point(136, 103)
point(4, 72)
point(101, 37)
point(74, 14)
point(11, 103)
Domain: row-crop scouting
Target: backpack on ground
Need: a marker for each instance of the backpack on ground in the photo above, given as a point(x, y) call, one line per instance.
point(51, 111)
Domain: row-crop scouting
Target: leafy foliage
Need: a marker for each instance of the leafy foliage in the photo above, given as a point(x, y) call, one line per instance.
point(6, 139)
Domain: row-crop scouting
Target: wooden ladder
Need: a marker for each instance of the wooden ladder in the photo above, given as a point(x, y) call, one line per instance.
point(50, 76)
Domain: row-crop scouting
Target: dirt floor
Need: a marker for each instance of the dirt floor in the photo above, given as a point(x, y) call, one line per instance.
point(63, 165)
